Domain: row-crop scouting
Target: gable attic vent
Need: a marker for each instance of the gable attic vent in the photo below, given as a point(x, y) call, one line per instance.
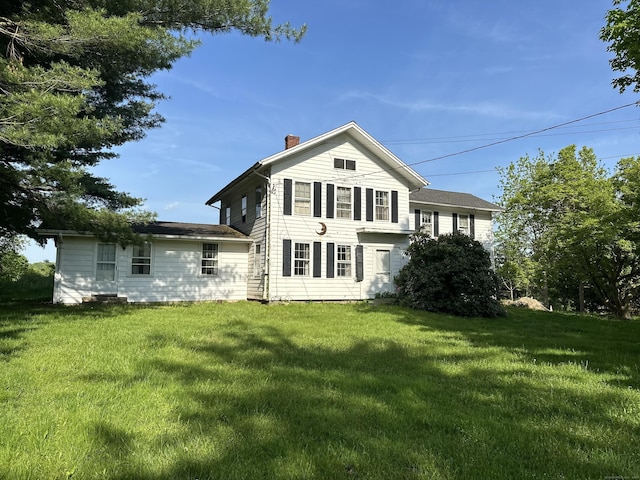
point(291, 141)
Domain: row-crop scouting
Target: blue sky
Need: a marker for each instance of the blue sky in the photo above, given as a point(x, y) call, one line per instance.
point(425, 78)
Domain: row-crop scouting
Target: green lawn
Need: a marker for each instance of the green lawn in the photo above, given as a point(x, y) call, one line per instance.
point(326, 391)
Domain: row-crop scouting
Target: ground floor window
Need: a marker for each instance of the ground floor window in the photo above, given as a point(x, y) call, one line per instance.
point(344, 261)
point(141, 259)
point(301, 259)
point(209, 262)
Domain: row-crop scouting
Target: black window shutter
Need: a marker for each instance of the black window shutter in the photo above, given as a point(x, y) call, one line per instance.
point(330, 253)
point(317, 199)
point(359, 263)
point(288, 187)
point(330, 200)
point(369, 200)
point(394, 206)
point(317, 258)
point(472, 226)
point(286, 258)
point(417, 217)
point(455, 222)
point(436, 224)
point(357, 203)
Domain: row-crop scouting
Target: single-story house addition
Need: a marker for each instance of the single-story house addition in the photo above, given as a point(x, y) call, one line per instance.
point(179, 262)
point(325, 219)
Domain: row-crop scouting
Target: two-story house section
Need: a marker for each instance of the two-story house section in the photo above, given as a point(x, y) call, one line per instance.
point(438, 211)
point(329, 217)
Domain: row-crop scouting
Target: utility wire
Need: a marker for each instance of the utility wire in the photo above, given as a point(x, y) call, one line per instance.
point(500, 142)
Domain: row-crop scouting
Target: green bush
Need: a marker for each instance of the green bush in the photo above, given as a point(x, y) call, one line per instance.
point(451, 274)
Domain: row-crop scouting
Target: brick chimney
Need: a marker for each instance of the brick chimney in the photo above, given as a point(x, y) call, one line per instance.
point(291, 141)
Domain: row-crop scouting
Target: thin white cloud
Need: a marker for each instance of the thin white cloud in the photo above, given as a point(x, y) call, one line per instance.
point(482, 108)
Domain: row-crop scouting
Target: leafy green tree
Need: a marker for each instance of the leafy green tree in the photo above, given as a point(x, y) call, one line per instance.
point(13, 265)
point(74, 84)
point(622, 32)
point(450, 274)
point(576, 224)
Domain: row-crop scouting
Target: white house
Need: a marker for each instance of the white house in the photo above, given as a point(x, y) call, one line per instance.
point(330, 218)
point(326, 219)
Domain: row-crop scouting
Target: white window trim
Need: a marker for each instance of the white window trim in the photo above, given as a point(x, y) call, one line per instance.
point(150, 257)
point(305, 263)
point(303, 200)
point(215, 261)
point(376, 206)
point(347, 262)
point(426, 226)
point(350, 203)
point(467, 228)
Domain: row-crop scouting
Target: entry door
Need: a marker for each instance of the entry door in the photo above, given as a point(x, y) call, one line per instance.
point(383, 268)
point(106, 270)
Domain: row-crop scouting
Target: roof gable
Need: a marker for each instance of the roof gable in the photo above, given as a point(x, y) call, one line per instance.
point(413, 179)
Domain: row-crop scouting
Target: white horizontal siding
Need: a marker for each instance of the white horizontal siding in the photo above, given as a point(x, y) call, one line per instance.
point(175, 272)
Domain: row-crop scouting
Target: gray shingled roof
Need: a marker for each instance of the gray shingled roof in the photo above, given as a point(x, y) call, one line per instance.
point(457, 199)
point(189, 230)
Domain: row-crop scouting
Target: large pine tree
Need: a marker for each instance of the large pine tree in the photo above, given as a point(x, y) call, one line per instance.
point(74, 84)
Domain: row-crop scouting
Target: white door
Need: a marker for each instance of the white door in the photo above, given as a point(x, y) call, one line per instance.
point(383, 270)
point(106, 270)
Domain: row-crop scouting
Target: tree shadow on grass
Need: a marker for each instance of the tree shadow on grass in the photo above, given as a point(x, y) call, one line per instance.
point(20, 318)
point(256, 404)
point(594, 343)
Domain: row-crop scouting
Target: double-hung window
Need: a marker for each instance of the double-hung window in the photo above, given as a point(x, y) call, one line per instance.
point(463, 224)
point(343, 202)
point(141, 259)
point(227, 215)
point(426, 224)
point(301, 259)
point(382, 206)
point(244, 208)
point(258, 202)
point(302, 199)
point(209, 261)
point(344, 261)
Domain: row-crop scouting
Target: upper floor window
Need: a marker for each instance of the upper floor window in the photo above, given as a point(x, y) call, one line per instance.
point(209, 261)
point(244, 208)
point(301, 259)
point(463, 224)
point(227, 216)
point(141, 259)
point(343, 164)
point(343, 202)
point(258, 202)
point(382, 206)
point(302, 199)
point(426, 224)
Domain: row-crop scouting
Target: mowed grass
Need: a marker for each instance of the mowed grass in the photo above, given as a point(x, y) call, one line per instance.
point(326, 391)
